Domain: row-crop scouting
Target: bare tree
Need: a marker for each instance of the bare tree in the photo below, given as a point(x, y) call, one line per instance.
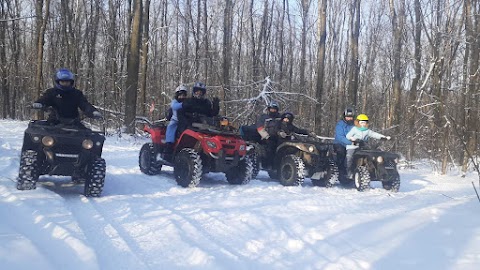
point(398, 28)
point(41, 25)
point(322, 31)
point(227, 49)
point(144, 58)
point(133, 66)
point(354, 68)
point(412, 97)
point(472, 27)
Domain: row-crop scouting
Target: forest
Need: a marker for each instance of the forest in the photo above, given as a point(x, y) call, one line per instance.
point(411, 65)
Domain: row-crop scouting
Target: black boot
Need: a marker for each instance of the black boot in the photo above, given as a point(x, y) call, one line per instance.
point(168, 151)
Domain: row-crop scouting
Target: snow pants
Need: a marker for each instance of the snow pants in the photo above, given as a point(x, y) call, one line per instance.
point(171, 130)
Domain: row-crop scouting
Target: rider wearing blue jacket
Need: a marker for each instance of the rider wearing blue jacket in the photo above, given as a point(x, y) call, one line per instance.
point(341, 129)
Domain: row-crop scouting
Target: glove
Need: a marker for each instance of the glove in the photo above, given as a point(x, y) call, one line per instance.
point(37, 105)
point(388, 138)
point(282, 134)
point(97, 115)
point(264, 134)
point(312, 134)
point(216, 101)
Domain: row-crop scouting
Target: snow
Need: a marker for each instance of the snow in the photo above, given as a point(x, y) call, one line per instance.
point(148, 222)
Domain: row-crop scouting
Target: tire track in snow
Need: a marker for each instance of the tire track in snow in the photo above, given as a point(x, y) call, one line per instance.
point(48, 237)
point(113, 247)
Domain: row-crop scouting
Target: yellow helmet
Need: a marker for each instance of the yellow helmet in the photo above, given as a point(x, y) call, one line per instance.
point(362, 117)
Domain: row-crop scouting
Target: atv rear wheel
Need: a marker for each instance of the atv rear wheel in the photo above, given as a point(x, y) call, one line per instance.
point(95, 177)
point(28, 172)
point(330, 178)
point(362, 178)
point(292, 171)
point(240, 174)
point(147, 160)
point(255, 164)
point(188, 168)
point(394, 184)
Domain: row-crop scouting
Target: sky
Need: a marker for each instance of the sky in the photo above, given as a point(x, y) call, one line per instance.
point(149, 222)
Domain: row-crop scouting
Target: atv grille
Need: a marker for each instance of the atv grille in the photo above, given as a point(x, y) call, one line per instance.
point(228, 146)
point(67, 149)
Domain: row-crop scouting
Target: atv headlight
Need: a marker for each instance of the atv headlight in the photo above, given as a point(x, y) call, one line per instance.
point(211, 144)
point(311, 148)
point(36, 139)
point(87, 144)
point(48, 141)
point(380, 159)
point(242, 147)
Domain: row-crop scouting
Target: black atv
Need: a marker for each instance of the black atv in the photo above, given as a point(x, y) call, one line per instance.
point(373, 164)
point(297, 157)
point(65, 148)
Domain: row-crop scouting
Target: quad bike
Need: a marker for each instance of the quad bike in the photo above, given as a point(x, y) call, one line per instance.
point(296, 158)
point(210, 146)
point(374, 164)
point(65, 148)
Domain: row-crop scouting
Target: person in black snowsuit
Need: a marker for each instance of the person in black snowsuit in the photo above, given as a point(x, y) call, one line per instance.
point(65, 99)
point(286, 127)
point(268, 127)
point(196, 106)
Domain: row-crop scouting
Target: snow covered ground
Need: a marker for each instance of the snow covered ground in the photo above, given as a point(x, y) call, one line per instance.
point(148, 222)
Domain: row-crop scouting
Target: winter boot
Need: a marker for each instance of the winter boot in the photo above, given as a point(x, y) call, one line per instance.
point(168, 151)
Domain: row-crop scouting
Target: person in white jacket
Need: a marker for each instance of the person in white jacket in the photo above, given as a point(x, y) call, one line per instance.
point(360, 133)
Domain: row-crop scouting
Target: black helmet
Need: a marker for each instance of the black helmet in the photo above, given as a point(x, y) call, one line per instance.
point(349, 112)
point(288, 115)
point(199, 86)
point(273, 104)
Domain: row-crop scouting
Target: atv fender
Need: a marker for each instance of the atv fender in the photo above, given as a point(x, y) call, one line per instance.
point(304, 147)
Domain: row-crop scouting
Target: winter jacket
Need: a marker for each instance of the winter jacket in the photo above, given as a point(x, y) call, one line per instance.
point(66, 102)
point(192, 108)
point(175, 106)
point(364, 135)
point(290, 128)
point(341, 130)
point(268, 123)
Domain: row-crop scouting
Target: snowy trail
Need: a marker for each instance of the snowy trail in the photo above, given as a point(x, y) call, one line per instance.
point(148, 222)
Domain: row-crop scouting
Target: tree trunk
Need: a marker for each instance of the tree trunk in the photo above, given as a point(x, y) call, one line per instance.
point(133, 63)
point(412, 97)
point(227, 49)
point(41, 25)
point(473, 82)
point(4, 113)
point(354, 69)
point(144, 59)
point(398, 26)
point(322, 30)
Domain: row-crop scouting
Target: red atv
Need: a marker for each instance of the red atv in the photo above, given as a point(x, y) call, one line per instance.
point(200, 149)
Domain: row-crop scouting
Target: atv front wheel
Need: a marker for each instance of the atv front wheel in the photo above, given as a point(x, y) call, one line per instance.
point(393, 184)
point(255, 164)
point(95, 177)
point(188, 168)
point(292, 171)
point(147, 160)
point(330, 178)
point(362, 178)
point(28, 172)
point(240, 174)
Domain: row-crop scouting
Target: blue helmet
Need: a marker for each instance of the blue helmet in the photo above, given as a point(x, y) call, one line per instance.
point(199, 86)
point(64, 74)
